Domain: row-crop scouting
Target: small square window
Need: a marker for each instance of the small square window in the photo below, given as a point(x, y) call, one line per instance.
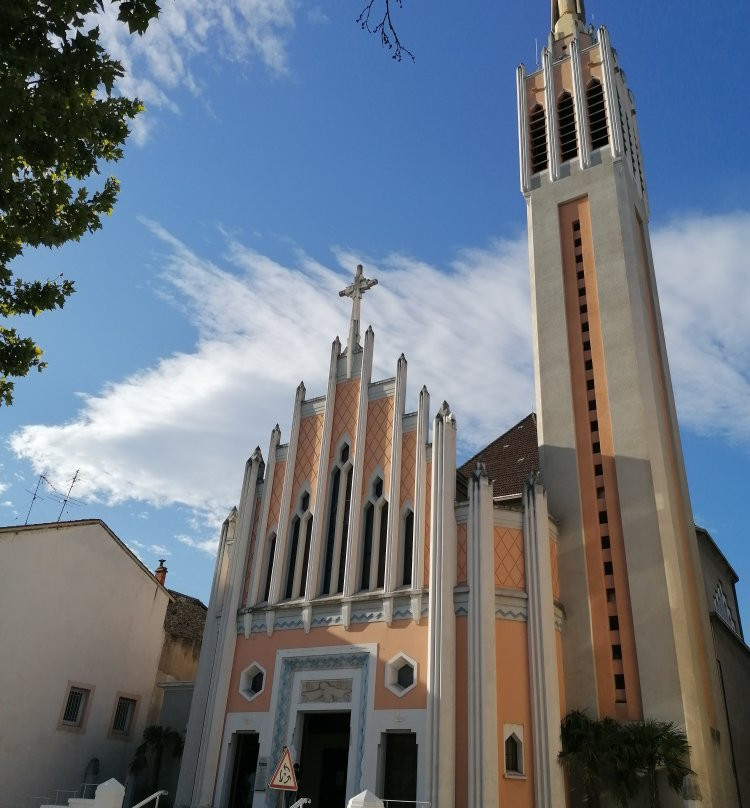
point(586, 345)
point(596, 447)
point(611, 595)
point(603, 517)
point(76, 707)
point(124, 717)
point(614, 623)
point(619, 681)
point(576, 226)
point(605, 543)
point(590, 384)
point(598, 470)
point(616, 652)
point(589, 364)
point(592, 404)
point(608, 569)
point(579, 274)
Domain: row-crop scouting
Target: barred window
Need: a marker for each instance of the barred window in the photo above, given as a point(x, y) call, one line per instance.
point(123, 718)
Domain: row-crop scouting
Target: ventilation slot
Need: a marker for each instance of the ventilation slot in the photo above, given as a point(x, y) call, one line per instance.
point(566, 117)
point(538, 136)
point(597, 114)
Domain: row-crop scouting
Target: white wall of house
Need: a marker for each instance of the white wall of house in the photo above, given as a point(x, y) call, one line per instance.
point(76, 606)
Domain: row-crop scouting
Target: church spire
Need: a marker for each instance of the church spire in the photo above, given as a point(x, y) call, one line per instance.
point(568, 17)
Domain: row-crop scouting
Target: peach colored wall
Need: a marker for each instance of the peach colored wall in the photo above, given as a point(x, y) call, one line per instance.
point(408, 467)
point(344, 415)
point(276, 490)
point(462, 713)
point(401, 636)
point(510, 570)
point(251, 549)
point(308, 457)
point(535, 90)
point(514, 707)
point(461, 539)
point(591, 65)
point(378, 443)
point(590, 485)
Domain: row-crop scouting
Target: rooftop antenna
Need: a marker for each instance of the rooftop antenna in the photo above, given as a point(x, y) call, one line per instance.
point(536, 51)
point(66, 498)
point(34, 497)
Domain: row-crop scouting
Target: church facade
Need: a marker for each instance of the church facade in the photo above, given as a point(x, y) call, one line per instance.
point(419, 630)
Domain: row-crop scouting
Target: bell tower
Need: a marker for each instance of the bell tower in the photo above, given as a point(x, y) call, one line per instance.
point(636, 639)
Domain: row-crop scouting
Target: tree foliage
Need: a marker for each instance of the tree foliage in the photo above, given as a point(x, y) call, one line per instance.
point(149, 755)
point(60, 121)
point(605, 756)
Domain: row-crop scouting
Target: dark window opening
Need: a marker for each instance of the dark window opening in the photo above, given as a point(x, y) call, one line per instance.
point(608, 568)
point(538, 139)
point(589, 364)
point(590, 384)
point(345, 530)
point(598, 470)
point(585, 327)
point(579, 274)
point(602, 517)
point(616, 652)
point(586, 345)
point(594, 424)
point(596, 446)
point(610, 595)
point(408, 548)
point(619, 681)
point(269, 568)
point(512, 755)
point(382, 544)
point(597, 114)
point(576, 226)
point(292, 558)
point(364, 582)
point(592, 404)
point(614, 623)
point(605, 543)
point(566, 118)
point(584, 308)
point(579, 258)
point(577, 242)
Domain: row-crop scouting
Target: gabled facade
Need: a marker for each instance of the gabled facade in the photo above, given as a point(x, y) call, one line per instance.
point(82, 627)
point(360, 608)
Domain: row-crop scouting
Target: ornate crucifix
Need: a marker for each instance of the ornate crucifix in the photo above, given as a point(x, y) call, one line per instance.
point(355, 290)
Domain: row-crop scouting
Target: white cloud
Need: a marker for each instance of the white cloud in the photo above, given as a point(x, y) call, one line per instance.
point(159, 62)
point(180, 431)
point(704, 288)
point(207, 546)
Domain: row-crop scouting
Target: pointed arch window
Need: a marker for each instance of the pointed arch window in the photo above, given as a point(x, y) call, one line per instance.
point(597, 114)
point(337, 534)
point(566, 118)
point(375, 533)
point(299, 549)
point(538, 139)
point(270, 552)
point(407, 545)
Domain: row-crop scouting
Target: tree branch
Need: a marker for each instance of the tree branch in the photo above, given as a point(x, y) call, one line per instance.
point(384, 28)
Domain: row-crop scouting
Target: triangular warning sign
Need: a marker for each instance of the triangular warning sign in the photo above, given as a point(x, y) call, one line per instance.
point(283, 777)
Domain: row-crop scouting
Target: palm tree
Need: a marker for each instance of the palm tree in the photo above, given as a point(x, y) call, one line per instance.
point(156, 741)
point(587, 752)
point(659, 745)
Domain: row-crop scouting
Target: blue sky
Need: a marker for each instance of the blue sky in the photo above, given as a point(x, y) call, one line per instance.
point(281, 146)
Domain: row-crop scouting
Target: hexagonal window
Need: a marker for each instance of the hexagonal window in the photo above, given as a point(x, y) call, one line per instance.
point(252, 681)
point(401, 674)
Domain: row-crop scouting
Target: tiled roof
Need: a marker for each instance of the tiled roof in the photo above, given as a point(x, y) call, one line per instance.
point(185, 618)
point(510, 459)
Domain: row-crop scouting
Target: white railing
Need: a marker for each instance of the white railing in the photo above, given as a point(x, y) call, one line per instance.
point(156, 795)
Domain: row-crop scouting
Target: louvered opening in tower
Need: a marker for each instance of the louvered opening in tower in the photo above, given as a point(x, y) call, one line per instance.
point(538, 139)
point(597, 114)
point(566, 117)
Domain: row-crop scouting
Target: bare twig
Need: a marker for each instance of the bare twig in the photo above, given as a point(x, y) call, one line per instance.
point(385, 28)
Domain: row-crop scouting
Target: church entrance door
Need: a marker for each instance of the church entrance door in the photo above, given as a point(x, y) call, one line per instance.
point(243, 772)
point(324, 759)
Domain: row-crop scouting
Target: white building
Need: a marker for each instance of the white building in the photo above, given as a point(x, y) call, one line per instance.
point(82, 628)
